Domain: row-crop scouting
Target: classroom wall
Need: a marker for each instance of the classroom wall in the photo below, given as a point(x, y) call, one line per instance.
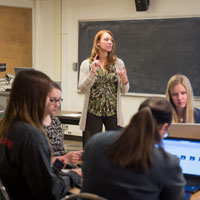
point(15, 35)
point(48, 37)
point(55, 36)
point(75, 10)
point(15, 38)
point(46, 34)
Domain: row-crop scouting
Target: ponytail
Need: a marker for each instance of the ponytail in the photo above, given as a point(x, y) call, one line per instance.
point(139, 138)
point(134, 146)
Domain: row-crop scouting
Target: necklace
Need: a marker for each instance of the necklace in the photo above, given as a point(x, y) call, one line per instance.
point(181, 116)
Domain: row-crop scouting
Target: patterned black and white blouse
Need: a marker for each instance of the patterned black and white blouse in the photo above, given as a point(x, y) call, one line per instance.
point(56, 136)
point(103, 94)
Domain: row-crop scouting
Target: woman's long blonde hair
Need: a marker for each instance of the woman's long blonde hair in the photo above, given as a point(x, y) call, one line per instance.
point(95, 49)
point(189, 111)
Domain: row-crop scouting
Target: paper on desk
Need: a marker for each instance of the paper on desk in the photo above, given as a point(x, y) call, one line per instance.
point(65, 170)
point(72, 115)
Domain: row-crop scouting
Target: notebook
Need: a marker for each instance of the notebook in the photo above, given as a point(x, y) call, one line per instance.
point(184, 130)
point(188, 151)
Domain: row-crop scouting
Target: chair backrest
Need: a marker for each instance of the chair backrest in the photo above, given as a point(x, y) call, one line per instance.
point(83, 195)
point(3, 192)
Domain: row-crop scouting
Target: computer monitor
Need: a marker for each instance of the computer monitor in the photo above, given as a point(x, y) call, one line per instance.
point(184, 130)
point(18, 69)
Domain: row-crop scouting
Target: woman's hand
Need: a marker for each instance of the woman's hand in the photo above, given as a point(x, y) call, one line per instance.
point(95, 65)
point(123, 75)
point(73, 157)
point(61, 158)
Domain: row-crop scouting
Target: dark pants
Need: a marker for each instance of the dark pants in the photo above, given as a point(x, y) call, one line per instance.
point(95, 124)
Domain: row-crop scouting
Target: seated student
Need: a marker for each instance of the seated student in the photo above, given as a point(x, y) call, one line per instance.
point(179, 93)
point(53, 128)
point(131, 163)
point(25, 161)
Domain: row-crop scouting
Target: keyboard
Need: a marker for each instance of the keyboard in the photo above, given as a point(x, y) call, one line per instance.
point(187, 195)
point(192, 185)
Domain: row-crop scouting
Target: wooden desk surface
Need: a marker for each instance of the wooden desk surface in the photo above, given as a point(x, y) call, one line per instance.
point(195, 196)
point(75, 190)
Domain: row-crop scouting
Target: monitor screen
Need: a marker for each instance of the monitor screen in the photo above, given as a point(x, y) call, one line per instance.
point(188, 152)
point(18, 69)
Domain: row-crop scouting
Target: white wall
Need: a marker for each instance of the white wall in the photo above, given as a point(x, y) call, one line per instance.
point(18, 3)
point(48, 37)
point(75, 10)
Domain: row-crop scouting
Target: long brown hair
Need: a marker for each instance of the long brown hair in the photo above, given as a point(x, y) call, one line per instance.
point(133, 148)
point(189, 111)
point(95, 49)
point(27, 100)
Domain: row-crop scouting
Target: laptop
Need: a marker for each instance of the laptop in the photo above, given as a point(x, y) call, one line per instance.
point(188, 151)
point(184, 130)
point(18, 69)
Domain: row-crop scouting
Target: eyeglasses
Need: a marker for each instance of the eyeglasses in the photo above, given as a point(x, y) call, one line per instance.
point(54, 100)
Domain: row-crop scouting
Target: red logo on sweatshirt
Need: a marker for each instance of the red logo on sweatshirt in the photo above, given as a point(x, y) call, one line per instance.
point(8, 143)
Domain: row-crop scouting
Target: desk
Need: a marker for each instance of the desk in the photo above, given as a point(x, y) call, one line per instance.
point(72, 118)
point(66, 117)
point(195, 196)
point(75, 190)
point(3, 99)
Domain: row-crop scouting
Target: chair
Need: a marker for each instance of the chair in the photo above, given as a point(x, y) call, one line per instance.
point(3, 192)
point(83, 195)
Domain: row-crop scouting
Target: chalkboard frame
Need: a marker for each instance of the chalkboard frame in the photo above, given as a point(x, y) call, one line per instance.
point(150, 65)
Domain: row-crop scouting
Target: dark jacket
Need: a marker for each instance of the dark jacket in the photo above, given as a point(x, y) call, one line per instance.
point(25, 165)
point(164, 180)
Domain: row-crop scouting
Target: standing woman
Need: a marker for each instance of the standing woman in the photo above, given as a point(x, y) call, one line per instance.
point(102, 79)
point(25, 161)
point(179, 93)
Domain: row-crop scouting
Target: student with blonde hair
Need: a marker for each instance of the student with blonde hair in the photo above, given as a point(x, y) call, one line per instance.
point(180, 94)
